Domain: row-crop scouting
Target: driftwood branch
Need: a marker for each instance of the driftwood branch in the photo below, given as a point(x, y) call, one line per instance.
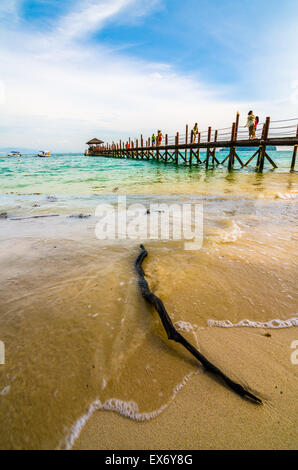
point(174, 335)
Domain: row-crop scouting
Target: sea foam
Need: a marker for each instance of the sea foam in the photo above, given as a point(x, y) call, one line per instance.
point(184, 326)
point(275, 323)
point(286, 196)
point(129, 409)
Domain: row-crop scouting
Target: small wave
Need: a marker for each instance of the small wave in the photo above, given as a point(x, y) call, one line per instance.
point(285, 196)
point(232, 235)
point(276, 323)
point(129, 409)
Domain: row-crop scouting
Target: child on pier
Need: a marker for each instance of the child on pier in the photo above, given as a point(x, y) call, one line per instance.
point(153, 139)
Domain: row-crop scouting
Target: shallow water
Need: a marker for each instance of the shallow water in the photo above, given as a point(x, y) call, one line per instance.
point(77, 175)
point(75, 327)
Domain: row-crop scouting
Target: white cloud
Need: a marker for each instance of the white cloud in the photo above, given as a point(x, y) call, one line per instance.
point(89, 16)
point(9, 11)
point(98, 93)
point(60, 93)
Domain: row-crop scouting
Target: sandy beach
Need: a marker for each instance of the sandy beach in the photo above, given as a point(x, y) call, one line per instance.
point(205, 414)
point(88, 364)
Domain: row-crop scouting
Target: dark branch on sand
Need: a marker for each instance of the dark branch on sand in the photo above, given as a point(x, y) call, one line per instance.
point(174, 335)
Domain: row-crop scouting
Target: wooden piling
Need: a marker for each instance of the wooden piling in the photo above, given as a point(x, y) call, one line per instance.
point(232, 148)
point(166, 144)
point(198, 152)
point(186, 140)
point(262, 153)
point(176, 147)
point(209, 133)
point(214, 150)
point(293, 162)
point(191, 150)
point(142, 145)
point(260, 164)
point(236, 127)
point(208, 148)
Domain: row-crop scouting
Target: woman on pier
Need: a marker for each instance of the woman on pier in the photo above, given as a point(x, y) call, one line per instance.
point(195, 132)
point(250, 123)
point(159, 137)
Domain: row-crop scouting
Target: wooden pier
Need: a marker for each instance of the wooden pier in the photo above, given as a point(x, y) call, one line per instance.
point(187, 147)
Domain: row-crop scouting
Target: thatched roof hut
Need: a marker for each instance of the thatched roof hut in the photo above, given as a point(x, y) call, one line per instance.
point(95, 142)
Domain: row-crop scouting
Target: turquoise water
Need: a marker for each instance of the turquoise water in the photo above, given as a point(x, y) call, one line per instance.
point(68, 183)
point(76, 174)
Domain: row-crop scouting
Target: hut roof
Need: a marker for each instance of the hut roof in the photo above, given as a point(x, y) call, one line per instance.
point(95, 141)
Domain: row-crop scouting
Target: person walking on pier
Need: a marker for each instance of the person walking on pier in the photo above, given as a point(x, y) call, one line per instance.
point(194, 132)
point(250, 123)
point(153, 138)
point(159, 137)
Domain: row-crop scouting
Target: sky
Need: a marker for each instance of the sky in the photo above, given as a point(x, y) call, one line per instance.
point(71, 70)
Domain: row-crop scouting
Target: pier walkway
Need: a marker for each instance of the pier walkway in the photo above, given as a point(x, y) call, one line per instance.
point(187, 148)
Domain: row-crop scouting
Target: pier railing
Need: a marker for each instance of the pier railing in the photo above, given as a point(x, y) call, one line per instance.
point(186, 145)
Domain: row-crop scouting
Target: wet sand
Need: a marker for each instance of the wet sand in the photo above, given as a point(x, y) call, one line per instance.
point(79, 336)
point(88, 364)
point(205, 414)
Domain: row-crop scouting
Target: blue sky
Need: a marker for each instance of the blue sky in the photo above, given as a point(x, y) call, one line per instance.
point(119, 67)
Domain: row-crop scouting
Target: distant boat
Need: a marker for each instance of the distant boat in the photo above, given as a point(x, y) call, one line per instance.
point(42, 153)
point(14, 154)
